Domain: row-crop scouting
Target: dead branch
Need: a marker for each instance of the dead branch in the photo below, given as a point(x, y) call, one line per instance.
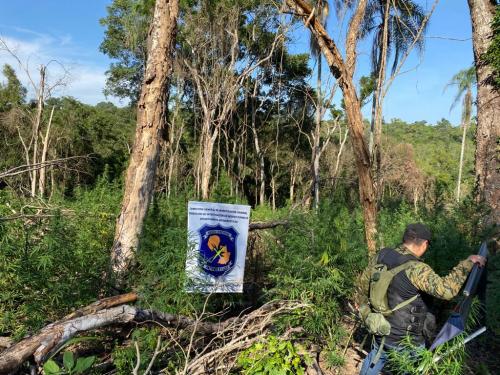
point(229, 335)
point(94, 316)
point(31, 167)
point(267, 224)
point(235, 335)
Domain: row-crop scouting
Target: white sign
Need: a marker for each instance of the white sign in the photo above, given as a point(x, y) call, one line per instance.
point(217, 245)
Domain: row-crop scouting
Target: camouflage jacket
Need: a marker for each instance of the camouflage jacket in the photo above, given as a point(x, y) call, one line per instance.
point(423, 277)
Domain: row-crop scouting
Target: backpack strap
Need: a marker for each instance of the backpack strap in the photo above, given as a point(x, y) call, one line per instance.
point(379, 352)
point(395, 271)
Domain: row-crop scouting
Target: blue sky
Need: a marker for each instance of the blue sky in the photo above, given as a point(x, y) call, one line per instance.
point(69, 32)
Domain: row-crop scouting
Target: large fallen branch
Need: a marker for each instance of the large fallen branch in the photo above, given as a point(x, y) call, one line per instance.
point(93, 316)
point(106, 312)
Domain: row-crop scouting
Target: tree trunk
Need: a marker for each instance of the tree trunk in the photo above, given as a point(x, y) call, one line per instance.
point(316, 138)
point(488, 112)
point(378, 97)
point(151, 127)
point(339, 154)
point(315, 169)
point(343, 71)
point(260, 155)
point(293, 178)
point(207, 143)
point(465, 123)
point(362, 157)
point(36, 127)
point(273, 193)
point(461, 163)
point(41, 184)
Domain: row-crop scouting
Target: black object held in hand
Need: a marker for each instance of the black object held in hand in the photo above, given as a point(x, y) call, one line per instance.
point(475, 274)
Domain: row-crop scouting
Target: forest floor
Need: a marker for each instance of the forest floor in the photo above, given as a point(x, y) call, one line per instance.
point(482, 355)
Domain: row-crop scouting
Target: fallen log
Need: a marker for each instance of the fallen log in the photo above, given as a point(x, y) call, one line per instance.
point(106, 312)
point(92, 317)
point(56, 333)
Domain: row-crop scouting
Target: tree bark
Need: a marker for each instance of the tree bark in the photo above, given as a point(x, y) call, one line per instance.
point(343, 71)
point(151, 128)
point(41, 183)
point(208, 138)
point(461, 163)
point(36, 127)
point(58, 332)
point(488, 113)
point(316, 138)
point(258, 149)
point(376, 122)
point(465, 123)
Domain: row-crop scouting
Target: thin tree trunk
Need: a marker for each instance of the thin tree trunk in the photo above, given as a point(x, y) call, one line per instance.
point(52, 183)
point(151, 127)
point(293, 177)
point(316, 138)
point(41, 185)
point(172, 163)
point(488, 112)
point(343, 71)
point(376, 123)
point(207, 141)
point(315, 169)
point(339, 154)
point(260, 155)
point(273, 192)
point(36, 127)
point(461, 163)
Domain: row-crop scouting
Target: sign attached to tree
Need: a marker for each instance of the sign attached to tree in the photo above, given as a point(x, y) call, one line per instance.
point(217, 244)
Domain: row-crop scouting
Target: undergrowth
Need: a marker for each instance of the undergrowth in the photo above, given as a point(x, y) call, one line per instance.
point(51, 265)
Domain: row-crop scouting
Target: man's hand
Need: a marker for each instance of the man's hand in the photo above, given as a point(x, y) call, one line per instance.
point(478, 259)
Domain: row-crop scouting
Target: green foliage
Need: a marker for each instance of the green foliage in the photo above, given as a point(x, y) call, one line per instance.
point(437, 152)
point(51, 266)
point(416, 360)
point(274, 356)
point(126, 28)
point(125, 357)
point(334, 340)
point(449, 358)
point(70, 367)
point(316, 259)
point(13, 93)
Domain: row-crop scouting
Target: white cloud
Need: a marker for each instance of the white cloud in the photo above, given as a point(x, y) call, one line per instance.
point(83, 78)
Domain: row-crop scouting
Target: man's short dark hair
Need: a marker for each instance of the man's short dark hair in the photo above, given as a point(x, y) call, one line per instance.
point(417, 233)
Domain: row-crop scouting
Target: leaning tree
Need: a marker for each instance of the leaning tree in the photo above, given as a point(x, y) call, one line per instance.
point(342, 68)
point(150, 131)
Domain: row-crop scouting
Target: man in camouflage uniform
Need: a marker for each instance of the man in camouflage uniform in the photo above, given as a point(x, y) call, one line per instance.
point(413, 319)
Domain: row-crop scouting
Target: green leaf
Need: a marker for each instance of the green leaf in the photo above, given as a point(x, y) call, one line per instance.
point(51, 368)
point(68, 360)
point(75, 340)
point(83, 364)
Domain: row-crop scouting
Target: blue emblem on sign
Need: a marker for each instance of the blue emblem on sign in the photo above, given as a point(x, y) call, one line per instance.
point(217, 249)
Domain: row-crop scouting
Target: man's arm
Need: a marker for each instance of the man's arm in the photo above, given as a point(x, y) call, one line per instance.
point(425, 279)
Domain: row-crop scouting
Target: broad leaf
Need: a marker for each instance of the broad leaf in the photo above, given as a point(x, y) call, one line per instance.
point(51, 368)
point(83, 364)
point(68, 360)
